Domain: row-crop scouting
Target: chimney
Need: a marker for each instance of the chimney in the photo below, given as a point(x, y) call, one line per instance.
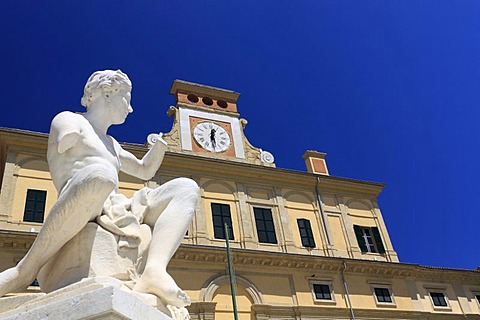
point(315, 162)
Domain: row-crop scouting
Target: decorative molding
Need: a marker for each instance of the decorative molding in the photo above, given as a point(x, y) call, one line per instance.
point(210, 182)
point(172, 138)
point(208, 289)
point(266, 157)
point(274, 312)
point(202, 310)
point(16, 240)
point(378, 269)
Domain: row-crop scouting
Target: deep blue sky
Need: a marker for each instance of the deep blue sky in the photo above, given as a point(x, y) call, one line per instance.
point(390, 90)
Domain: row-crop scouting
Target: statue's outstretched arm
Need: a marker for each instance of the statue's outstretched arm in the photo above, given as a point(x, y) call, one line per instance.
point(145, 168)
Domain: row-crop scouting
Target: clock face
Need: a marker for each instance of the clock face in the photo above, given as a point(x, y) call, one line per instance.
point(211, 137)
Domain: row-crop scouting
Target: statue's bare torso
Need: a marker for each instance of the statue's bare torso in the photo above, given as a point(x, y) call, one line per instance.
point(90, 148)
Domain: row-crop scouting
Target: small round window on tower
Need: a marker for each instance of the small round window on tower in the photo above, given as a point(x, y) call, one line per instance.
point(222, 103)
point(192, 98)
point(207, 101)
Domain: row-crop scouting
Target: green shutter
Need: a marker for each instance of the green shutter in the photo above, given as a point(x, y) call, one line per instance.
point(311, 239)
point(220, 216)
point(361, 241)
point(378, 240)
point(306, 234)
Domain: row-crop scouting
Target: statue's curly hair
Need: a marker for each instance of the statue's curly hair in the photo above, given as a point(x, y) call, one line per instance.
point(104, 81)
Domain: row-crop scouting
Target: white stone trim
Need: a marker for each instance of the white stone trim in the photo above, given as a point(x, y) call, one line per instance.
point(382, 285)
point(440, 288)
point(322, 281)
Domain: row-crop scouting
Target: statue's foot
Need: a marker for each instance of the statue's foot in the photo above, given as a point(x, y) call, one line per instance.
point(10, 281)
point(163, 286)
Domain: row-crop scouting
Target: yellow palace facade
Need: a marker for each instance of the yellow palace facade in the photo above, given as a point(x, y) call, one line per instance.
point(305, 245)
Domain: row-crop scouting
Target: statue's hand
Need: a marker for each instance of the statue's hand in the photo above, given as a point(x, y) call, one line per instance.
point(154, 138)
point(106, 223)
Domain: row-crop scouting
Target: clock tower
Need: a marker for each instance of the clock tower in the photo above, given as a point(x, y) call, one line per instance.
point(207, 123)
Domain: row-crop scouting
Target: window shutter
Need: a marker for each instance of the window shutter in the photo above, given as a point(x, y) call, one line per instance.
point(306, 233)
point(221, 216)
point(361, 241)
point(378, 240)
point(35, 205)
point(265, 226)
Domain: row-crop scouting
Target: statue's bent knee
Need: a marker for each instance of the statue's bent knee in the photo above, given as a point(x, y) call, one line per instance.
point(187, 188)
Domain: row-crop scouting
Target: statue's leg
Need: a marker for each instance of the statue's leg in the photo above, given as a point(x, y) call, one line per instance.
point(79, 202)
point(170, 212)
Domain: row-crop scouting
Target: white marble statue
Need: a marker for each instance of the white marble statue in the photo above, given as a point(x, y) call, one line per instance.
point(84, 163)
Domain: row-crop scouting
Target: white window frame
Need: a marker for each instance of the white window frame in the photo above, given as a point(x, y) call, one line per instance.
point(382, 285)
point(327, 282)
point(438, 289)
point(371, 247)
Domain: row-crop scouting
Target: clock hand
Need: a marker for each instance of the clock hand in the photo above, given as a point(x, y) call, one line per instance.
point(212, 138)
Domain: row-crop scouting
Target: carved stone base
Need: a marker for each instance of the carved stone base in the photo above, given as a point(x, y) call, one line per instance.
point(91, 253)
point(94, 298)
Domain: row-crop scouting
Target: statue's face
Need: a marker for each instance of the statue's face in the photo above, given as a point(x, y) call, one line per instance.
point(118, 105)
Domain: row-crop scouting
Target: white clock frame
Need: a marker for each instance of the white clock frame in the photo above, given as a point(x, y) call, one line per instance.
point(202, 133)
point(185, 130)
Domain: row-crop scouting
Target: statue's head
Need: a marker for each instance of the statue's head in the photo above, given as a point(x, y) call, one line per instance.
point(104, 82)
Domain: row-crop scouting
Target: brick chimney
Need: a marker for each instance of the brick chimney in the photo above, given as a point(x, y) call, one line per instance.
point(315, 162)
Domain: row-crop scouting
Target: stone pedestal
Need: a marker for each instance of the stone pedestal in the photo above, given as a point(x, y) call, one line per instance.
point(94, 298)
point(93, 252)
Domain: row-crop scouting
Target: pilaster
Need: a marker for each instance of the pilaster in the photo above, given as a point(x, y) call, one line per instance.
point(352, 246)
point(7, 192)
point(199, 220)
point(462, 298)
point(247, 230)
point(324, 226)
point(202, 310)
point(288, 244)
point(414, 295)
point(391, 254)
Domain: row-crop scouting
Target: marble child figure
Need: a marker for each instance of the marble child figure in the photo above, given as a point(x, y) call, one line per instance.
point(84, 163)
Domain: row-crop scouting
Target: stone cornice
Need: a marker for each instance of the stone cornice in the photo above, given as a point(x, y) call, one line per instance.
point(185, 86)
point(16, 240)
point(265, 311)
point(26, 138)
point(190, 164)
point(210, 255)
point(225, 169)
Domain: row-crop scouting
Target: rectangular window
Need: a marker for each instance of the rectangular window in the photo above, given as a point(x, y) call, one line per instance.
point(35, 205)
point(369, 239)
point(306, 233)
point(322, 292)
point(438, 299)
point(265, 226)
point(383, 295)
point(221, 216)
